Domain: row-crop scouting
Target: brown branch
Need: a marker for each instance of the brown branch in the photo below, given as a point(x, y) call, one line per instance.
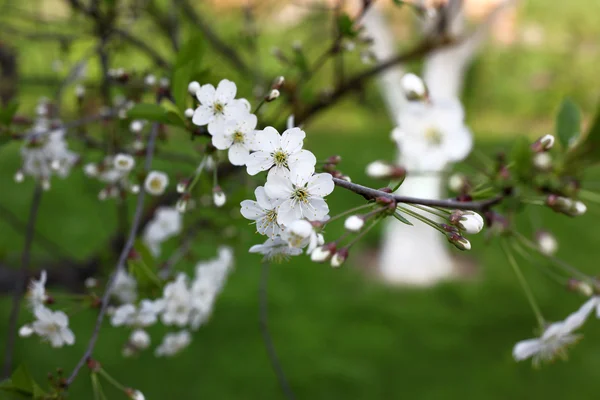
point(21, 283)
point(372, 194)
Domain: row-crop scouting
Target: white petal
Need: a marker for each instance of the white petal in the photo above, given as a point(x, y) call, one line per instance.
point(251, 209)
point(222, 141)
point(238, 154)
point(61, 319)
point(320, 184)
point(268, 139)
point(67, 336)
point(217, 124)
point(262, 198)
point(259, 161)
point(287, 214)
point(249, 123)
point(316, 209)
point(292, 139)
point(301, 173)
point(226, 91)
point(303, 159)
point(461, 144)
point(278, 186)
point(206, 94)
point(203, 115)
point(526, 349)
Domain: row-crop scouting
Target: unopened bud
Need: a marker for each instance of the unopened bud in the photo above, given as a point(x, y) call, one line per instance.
point(90, 282)
point(134, 394)
point(189, 112)
point(542, 161)
point(581, 287)
point(414, 88)
point(468, 221)
point(460, 242)
point(323, 253)
point(547, 243)
point(164, 82)
point(136, 126)
point(382, 170)
point(219, 197)
point(354, 223)
point(457, 183)
point(150, 80)
point(19, 176)
point(273, 94)
point(193, 87)
point(564, 205)
point(278, 82)
point(182, 186)
point(26, 331)
point(543, 144)
point(339, 257)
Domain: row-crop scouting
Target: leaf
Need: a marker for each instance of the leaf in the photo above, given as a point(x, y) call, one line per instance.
point(401, 218)
point(8, 112)
point(568, 123)
point(586, 151)
point(182, 76)
point(192, 51)
point(346, 26)
point(173, 114)
point(21, 379)
point(187, 65)
point(150, 112)
point(521, 157)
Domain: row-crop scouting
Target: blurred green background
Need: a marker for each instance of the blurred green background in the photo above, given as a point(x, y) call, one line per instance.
point(339, 333)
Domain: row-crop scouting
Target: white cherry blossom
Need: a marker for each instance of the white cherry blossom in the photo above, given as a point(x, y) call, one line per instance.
point(156, 182)
point(176, 302)
point(53, 326)
point(217, 106)
point(282, 151)
point(301, 193)
point(275, 249)
point(166, 223)
point(237, 136)
point(124, 287)
point(173, 343)
point(300, 234)
point(36, 295)
point(432, 134)
point(263, 211)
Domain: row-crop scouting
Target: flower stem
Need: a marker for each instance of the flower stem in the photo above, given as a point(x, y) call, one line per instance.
point(422, 218)
point(363, 232)
point(524, 284)
point(350, 211)
point(111, 380)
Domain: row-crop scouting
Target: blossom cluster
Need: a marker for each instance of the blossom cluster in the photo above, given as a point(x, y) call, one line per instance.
point(293, 195)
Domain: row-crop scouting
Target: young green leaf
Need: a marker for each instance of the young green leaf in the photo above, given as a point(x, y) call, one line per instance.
point(521, 157)
point(346, 26)
point(401, 218)
point(8, 112)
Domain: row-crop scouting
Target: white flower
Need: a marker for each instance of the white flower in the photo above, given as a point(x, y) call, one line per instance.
point(354, 223)
point(37, 291)
point(299, 233)
point(237, 136)
point(90, 170)
point(136, 126)
point(176, 302)
point(218, 106)
point(136, 395)
point(79, 91)
point(156, 183)
point(301, 193)
point(555, 338)
point(173, 343)
point(124, 287)
point(193, 88)
point(322, 253)
point(414, 88)
point(124, 162)
point(547, 243)
point(140, 339)
point(275, 249)
point(263, 211)
point(431, 135)
point(26, 331)
point(53, 327)
point(283, 152)
point(470, 222)
point(45, 153)
point(130, 315)
point(166, 223)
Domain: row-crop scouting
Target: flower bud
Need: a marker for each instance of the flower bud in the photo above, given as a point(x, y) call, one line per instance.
point(579, 208)
point(273, 94)
point(219, 197)
point(150, 80)
point(383, 170)
point(468, 221)
point(457, 183)
point(580, 286)
point(193, 88)
point(182, 186)
point(90, 282)
point(339, 257)
point(136, 126)
point(354, 223)
point(26, 331)
point(414, 88)
point(546, 242)
point(134, 394)
point(564, 205)
point(459, 241)
point(322, 253)
point(164, 82)
point(278, 82)
point(189, 112)
point(140, 339)
point(542, 144)
point(19, 176)
point(542, 161)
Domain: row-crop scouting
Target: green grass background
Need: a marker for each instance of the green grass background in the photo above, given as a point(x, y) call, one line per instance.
point(339, 333)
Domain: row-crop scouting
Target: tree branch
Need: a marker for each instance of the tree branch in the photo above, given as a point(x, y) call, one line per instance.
point(372, 194)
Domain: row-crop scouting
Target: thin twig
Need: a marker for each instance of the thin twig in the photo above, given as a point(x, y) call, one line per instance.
point(21, 282)
point(371, 194)
point(264, 329)
point(121, 262)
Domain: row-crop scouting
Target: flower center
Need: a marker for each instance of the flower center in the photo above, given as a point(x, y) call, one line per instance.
point(238, 137)
point(156, 184)
point(433, 137)
point(281, 158)
point(218, 108)
point(301, 195)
